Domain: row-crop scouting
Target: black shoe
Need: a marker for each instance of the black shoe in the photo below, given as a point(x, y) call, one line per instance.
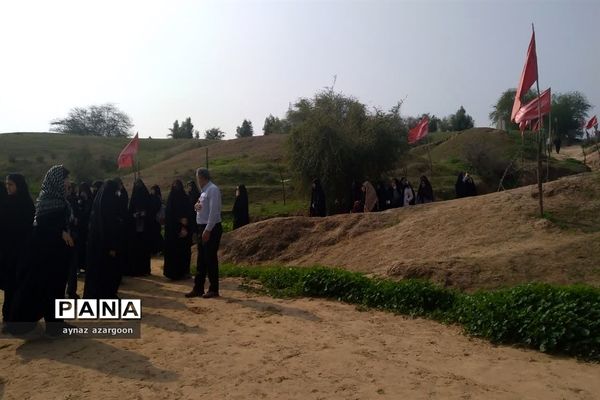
point(210, 295)
point(194, 293)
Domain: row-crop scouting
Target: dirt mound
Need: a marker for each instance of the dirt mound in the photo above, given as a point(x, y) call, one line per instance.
point(480, 242)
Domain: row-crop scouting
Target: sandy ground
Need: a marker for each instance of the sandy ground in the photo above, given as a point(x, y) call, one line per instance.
point(248, 346)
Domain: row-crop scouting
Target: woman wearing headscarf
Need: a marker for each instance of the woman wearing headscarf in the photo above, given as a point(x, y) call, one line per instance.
point(44, 277)
point(469, 185)
point(193, 194)
point(459, 186)
point(156, 224)
point(124, 220)
point(396, 195)
point(318, 207)
point(425, 191)
point(408, 193)
point(104, 245)
point(371, 200)
point(241, 215)
point(18, 211)
point(85, 200)
point(178, 233)
point(141, 214)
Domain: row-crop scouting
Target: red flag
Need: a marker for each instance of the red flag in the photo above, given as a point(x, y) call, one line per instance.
point(530, 110)
point(419, 132)
point(528, 76)
point(592, 122)
point(125, 159)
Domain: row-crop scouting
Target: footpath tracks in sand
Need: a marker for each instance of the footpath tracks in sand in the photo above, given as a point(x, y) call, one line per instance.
point(250, 346)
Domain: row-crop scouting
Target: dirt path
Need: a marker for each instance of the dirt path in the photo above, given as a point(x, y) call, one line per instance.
point(246, 346)
point(576, 152)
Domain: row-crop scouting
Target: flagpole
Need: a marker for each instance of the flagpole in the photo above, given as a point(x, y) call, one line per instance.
point(548, 139)
point(539, 153)
point(429, 154)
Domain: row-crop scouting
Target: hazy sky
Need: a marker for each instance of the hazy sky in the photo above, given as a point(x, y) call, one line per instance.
point(221, 62)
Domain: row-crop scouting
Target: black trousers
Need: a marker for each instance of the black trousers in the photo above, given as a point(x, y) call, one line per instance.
point(208, 261)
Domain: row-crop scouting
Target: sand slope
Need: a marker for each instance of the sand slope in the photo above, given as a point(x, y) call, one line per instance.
point(245, 346)
point(480, 242)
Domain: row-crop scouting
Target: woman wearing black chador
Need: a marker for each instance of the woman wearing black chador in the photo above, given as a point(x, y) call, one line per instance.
point(142, 212)
point(104, 246)
point(179, 218)
point(43, 277)
point(241, 215)
point(16, 224)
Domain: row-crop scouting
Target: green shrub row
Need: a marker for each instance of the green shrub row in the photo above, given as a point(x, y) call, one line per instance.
point(552, 319)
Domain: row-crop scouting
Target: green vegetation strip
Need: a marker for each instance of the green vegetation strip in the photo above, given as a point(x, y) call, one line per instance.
point(552, 319)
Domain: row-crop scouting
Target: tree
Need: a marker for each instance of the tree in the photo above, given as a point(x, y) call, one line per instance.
point(245, 130)
point(197, 134)
point(461, 120)
point(568, 110)
point(502, 110)
point(335, 138)
point(274, 125)
point(187, 129)
point(103, 120)
point(214, 134)
point(175, 130)
point(183, 131)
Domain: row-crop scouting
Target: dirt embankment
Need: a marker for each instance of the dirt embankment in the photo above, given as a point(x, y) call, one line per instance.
point(481, 242)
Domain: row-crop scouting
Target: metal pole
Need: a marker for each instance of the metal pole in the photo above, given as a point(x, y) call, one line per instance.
point(539, 153)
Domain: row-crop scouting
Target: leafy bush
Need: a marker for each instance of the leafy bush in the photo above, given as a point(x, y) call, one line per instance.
point(549, 318)
point(553, 319)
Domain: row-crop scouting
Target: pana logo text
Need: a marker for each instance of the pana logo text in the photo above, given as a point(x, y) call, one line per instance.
point(98, 309)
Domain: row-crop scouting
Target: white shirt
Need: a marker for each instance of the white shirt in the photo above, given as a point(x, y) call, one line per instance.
point(210, 206)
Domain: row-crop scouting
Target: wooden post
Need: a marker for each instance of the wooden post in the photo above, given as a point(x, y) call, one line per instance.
point(206, 157)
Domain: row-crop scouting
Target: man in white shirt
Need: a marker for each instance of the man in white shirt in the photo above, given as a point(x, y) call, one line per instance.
point(208, 218)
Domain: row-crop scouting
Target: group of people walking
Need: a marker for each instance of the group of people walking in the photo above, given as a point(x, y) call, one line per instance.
point(369, 198)
point(98, 231)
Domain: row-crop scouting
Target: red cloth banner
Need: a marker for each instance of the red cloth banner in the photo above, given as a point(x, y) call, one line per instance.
point(528, 77)
point(530, 110)
point(126, 157)
point(419, 132)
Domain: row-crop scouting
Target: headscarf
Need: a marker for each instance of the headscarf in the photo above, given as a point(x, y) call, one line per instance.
point(140, 197)
point(106, 207)
point(425, 191)
point(22, 194)
point(178, 207)
point(370, 196)
point(157, 191)
point(194, 193)
point(52, 195)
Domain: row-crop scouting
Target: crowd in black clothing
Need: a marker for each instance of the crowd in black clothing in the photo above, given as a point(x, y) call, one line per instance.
point(93, 230)
point(369, 198)
point(383, 196)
